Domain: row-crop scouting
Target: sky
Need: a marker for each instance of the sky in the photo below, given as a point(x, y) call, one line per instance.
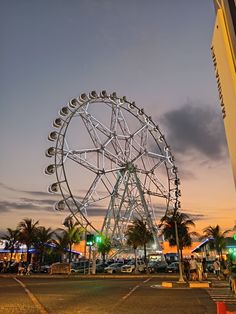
point(155, 52)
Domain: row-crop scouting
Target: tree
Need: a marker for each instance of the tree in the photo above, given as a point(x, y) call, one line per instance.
point(12, 240)
point(104, 247)
point(133, 240)
point(28, 231)
point(184, 223)
point(43, 237)
point(138, 234)
point(61, 243)
point(72, 233)
point(218, 237)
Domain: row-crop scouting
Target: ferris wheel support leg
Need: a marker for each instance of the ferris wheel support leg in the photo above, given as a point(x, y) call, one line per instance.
point(149, 219)
point(107, 220)
point(120, 205)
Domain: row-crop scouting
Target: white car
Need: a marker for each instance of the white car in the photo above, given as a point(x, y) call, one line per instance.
point(130, 267)
point(113, 268)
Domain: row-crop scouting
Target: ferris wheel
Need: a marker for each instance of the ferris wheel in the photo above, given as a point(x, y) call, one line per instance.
point(111, 165)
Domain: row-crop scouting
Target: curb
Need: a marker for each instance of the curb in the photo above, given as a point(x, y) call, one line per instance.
point(82, 276)
point(176, 284)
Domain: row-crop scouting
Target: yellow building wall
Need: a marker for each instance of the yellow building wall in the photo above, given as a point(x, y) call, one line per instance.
point(224, 61)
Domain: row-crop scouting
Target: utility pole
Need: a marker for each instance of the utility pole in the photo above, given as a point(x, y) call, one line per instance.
point(181, 278)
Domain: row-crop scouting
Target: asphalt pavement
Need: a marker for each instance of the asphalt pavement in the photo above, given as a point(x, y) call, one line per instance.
point(104, 294)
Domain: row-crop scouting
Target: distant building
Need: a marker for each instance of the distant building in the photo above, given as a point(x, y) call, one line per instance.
point(205, 249)
point(171, 251)
point(21, 252)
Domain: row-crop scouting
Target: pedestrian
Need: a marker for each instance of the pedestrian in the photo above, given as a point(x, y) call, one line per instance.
point(199, 269)
point(193, 268)
point(28, 269)
point(216, 267)
point(186, 269)
point(224, 269)
point(20, 268)
point(4, 267)
point(204, 269)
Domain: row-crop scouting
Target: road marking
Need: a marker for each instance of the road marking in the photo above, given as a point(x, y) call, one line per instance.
point(131, 291)
point(157, 286)
point(35, 301)
point(222, 293)
point(147, 280)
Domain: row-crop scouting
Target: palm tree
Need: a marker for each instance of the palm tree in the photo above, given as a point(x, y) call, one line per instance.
point(61, 243)
point(138, 234)
point(44, 237)
point(184, 223)
point(133, 240)
point(28, 231)
point(146, 235)
point(218, 237)
point(12, 240)
point(72, 233)
point(104, 247)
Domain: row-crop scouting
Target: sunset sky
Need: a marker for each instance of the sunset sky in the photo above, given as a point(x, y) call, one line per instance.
point(155, 52)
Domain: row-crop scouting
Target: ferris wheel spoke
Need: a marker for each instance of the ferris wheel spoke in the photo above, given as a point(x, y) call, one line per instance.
point(82, 160)
point(157, 156)
point(113, 122)
point(142, 134)
point(92, 132)
point(96, 125)
point(91, 189)
point(122, 123)
point(114, 158)
point(159, 186)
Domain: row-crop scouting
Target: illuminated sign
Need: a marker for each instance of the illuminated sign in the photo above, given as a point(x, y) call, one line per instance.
point(232, 250)
point(234, 236)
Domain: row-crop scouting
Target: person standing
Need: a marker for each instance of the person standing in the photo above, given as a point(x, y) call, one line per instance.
point(186, 269)
point(28, 269)
point(199, 269)
point(216, 267)
point(193, 268)
point(224, 269)
point(204, 269)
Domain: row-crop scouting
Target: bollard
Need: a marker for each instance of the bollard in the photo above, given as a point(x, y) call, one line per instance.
point(221, 307)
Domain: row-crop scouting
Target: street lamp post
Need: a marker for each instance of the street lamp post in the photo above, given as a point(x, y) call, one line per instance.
point(181, 278)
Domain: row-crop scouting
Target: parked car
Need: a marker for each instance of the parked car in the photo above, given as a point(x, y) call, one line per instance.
point(130, 266)
point(232, 279)
point(173, 267)
point(80, 267)
point(113, 268)
point(156, 267)
point(44, 269)
point(100, 267)
point(60, 268)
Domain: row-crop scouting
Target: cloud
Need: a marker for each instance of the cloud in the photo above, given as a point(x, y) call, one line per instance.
point(196, 217)
point(39, 202)
point(9, 188)
point(9, 206)
point(195, 129)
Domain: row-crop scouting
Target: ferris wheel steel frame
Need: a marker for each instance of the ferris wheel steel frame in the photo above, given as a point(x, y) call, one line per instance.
point(124, 165)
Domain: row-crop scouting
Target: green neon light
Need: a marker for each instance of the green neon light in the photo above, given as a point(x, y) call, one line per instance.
point(234, 236)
